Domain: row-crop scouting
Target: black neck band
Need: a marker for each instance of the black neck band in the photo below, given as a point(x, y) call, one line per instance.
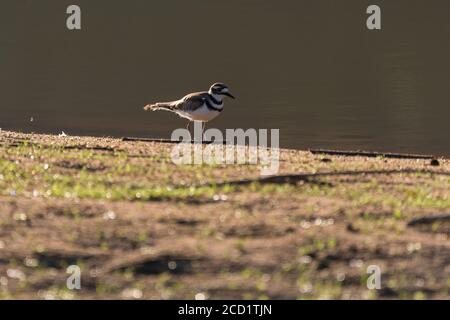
point(211, 106)
point(214, 99)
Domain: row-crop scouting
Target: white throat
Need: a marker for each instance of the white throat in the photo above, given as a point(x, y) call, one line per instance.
point(217, 97)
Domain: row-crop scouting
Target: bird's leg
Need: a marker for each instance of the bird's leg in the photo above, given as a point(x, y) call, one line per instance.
point(187, 127)
point(203, 128)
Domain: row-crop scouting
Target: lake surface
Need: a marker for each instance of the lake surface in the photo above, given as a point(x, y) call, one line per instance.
point(309, 68)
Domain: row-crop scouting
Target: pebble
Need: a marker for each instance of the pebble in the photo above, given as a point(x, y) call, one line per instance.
point(434, 162)
point(200, 296)
point(132, 294)
point(15, 274)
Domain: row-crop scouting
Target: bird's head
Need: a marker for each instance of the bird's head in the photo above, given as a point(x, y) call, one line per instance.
point(220, 89)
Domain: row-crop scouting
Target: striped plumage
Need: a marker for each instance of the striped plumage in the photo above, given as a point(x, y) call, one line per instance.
point(199, 106)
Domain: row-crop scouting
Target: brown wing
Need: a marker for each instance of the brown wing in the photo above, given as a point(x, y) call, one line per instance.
point(192, 101)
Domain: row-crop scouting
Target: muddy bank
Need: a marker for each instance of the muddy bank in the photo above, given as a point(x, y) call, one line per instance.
point(139, 226)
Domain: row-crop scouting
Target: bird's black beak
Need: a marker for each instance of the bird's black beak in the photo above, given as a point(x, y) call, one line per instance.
point(229, 95)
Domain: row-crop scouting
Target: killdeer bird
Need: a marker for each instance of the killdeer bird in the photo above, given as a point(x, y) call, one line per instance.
point(198, 106)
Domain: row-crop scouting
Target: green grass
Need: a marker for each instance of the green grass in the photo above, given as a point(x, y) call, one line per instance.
point(120, 181)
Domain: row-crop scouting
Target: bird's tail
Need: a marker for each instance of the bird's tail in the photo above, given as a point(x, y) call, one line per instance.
point(158, 106)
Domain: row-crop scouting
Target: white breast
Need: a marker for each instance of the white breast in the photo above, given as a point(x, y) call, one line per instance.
point(201, 114)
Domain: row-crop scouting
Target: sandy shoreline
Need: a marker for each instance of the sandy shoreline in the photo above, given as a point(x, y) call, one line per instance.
point(140, 226)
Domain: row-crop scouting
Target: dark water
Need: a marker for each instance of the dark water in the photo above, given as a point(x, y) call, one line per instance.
point(310, 68)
